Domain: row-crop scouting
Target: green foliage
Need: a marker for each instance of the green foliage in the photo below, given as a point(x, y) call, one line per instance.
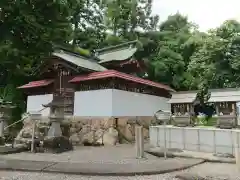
point(203, 121)
point(82, 51)
point(170, 62)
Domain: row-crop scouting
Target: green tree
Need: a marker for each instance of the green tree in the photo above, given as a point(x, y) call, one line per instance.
point(215, 64)
point(170, 63)
point(28, 30)
point(125, 18)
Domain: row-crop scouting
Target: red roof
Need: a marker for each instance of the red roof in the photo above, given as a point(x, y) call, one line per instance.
point(113, 73)
point(40, 83)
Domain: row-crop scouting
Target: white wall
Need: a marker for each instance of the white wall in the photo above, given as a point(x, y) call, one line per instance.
point(93, 103)
point(136, 104)
point(211, 140)
point(34, 103)
point(112, 102)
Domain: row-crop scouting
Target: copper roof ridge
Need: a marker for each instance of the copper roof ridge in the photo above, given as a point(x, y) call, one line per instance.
point(115, 46)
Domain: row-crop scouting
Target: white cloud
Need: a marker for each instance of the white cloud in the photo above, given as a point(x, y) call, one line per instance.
point(206, 13)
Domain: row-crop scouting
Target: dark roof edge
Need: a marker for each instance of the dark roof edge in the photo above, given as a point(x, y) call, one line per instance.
point(116, 46)
point(89, 58)
point(68, 50)
point(185, 92)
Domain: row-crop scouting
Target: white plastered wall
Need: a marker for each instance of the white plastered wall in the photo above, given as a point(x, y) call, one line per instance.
point(117, 103)
point(34, 103)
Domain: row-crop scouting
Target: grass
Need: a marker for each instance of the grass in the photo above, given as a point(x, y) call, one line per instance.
point(203, 121)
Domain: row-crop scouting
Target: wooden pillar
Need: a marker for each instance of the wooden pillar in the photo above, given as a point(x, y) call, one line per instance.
point(234, 111)
point(217, 109)
point(174, 109)
point(188, 107)
point(234, 108)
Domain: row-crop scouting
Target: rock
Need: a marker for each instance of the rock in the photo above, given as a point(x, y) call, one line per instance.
point(99, 136)
point(85, 129)
point(223, 155)
point(74, 139)
point(128, 133)
point(110, 137)
point(26, 133)
point(79, 126)
point(26, 142)
point(20, 146)
point(89, 138)
point(73, 130)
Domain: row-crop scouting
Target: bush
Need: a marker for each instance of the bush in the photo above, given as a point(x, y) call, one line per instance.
point(2, 141)
point(204, 121)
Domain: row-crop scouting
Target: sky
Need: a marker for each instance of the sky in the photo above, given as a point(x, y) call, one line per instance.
point(206, 13)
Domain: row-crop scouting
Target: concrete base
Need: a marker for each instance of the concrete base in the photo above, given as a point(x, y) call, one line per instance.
point(101, 169)
point(199, 139)
point(226, 122)
point(182, 121)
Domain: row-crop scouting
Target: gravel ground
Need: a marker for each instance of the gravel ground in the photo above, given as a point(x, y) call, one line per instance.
point(216, 171)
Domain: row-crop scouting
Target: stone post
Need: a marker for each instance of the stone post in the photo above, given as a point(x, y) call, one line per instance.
point(35, 116)
point(139, 142)
point(165, 140)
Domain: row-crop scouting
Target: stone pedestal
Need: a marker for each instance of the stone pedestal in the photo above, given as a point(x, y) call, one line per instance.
point(55, 142)
point(182, 121)
point(55, 128)
point(226, 121)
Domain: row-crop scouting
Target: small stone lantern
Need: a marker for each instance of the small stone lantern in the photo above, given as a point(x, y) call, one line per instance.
point(5, 113)
point(55, 141)
point(56, 118)
point(162, 116)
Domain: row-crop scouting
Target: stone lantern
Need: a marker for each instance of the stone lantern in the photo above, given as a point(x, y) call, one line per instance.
point(163, 116)
point(5, 113)
point(56, 118)
point(55, 141)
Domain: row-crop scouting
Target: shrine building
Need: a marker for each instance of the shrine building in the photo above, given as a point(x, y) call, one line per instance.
point(98, 87)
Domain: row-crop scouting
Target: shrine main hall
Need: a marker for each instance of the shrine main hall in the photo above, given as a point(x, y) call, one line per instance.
point(99, 90)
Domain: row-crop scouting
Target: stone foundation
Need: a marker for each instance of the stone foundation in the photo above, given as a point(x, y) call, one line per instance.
point(91, 130)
